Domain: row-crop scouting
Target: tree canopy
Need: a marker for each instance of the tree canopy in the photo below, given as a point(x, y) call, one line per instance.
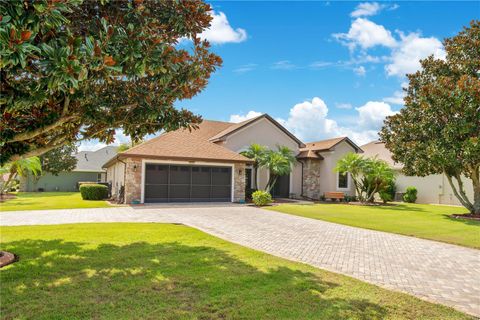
point(438, 130)
point(73, 70)
point(61, 159)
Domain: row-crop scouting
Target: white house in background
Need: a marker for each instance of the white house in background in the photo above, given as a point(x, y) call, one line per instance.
point(431, 189)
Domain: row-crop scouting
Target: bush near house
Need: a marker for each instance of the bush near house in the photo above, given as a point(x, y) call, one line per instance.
point(261, 198)
point(388, 193)
point(410, 195)
point(93, 191)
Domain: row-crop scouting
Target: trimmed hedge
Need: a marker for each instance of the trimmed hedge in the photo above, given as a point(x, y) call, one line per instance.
point(261, 198)
point(93, 191)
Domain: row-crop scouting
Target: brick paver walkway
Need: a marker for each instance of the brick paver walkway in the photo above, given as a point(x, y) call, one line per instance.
point(430, 270)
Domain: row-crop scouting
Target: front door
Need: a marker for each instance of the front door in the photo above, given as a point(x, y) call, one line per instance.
point(281, 189)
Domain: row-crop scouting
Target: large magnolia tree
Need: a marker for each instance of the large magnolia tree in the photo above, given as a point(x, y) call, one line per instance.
point(438, 130)
point(73, 69)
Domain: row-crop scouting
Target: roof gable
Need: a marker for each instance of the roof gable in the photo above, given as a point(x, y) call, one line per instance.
point(330, 144)
point(222, 135)
point(92, 161)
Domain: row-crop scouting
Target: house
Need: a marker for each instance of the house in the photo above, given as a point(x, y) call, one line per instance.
point(434, 188)
point(206, 165)
point(88, 168)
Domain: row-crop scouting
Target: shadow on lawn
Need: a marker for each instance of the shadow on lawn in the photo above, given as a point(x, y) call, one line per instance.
point(168, 280)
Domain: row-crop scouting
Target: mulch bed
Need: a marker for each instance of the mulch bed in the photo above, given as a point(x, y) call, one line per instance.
point(7, 196)
point(468, 216)
point(6, 258)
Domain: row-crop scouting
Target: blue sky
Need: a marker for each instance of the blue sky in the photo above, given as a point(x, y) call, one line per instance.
point(323, 69)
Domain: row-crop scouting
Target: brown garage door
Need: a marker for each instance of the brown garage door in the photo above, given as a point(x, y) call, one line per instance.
point(182, 183)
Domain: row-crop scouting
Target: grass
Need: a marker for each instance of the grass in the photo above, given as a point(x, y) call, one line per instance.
point(418, 220)
point(49, 200)
point(163, 271)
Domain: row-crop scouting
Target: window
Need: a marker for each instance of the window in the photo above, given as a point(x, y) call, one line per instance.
point(342, 180)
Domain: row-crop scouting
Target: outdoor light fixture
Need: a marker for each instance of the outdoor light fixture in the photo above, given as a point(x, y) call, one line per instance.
point(134, 167)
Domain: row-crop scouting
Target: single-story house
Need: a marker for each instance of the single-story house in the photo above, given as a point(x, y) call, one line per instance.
point(206, 165)
point(434, 188)
point(88, 169)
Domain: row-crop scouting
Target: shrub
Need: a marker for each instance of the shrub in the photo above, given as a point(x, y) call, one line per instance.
point(261, 198)
point(410, 195)
point(349, 198)
point(93, 191)
point(388, 193)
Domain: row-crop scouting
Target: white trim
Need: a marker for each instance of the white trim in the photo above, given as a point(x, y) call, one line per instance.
point(191, 163)
point(348, 182)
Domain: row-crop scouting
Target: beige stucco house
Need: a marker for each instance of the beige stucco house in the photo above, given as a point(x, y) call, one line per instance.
point(206, 165)
point(431, 189)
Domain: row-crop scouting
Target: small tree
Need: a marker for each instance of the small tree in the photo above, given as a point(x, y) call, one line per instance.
point(438, 130)
point(73, 70)
point(19, 168)
point(58, 160)
point(255, 152)
point(278, 163)
point(369, 175)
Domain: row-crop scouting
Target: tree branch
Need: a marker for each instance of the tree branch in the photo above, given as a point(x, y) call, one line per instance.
point(32, 134)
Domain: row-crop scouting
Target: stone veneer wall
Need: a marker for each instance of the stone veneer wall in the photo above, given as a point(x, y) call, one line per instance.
point(133, 180)
point(311, 178)
point(239, 182)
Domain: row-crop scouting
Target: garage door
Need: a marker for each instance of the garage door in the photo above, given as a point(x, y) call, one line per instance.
point(175, 183)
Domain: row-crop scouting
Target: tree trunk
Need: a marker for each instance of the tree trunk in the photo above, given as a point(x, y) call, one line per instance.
point(6, 185)
point(461, 196)
point(255, 173)
point(271, 182)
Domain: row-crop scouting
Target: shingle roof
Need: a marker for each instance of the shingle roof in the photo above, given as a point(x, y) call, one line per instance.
point(188, 145)
point(328, 144)
point(377, 148)
point(92, 161)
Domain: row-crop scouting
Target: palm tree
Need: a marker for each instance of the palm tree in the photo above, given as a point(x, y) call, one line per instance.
point(20, 168)
point(377, 176)
point(354, 164)
point(255, 152)
point(278, 163)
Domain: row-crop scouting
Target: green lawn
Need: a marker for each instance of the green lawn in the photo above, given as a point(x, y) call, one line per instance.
point(162, 271)
point(418, 220)
point(49, 200)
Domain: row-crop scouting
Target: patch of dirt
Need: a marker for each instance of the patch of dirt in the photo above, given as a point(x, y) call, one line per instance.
point(468, 216)
point(7, 196)
point(6, 258)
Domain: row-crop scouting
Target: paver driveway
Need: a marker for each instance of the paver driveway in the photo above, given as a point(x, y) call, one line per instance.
point(431, 270)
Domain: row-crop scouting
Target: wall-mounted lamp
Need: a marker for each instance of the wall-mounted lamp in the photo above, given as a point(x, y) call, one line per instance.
point(134, 167)
point(239, 171)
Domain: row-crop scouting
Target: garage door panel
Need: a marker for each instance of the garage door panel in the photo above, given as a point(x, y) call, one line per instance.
point(156, 174)
point(201, 176)
point(221, 176)
point(201, 192)
point(156, 193)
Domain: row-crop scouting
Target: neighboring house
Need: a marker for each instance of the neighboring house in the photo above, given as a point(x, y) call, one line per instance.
point(434, 188)
point(206, 165)
point(88, 168)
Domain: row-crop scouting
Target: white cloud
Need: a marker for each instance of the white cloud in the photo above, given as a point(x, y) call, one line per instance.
point(366, 34)
point(220, 30)
point(246, 68)
point(372, 114)
point(412, 48)
point(239, 117)
point(396, 98)
point(284, 65)
point(367, 9)
point(360, 71)
point(343, 106)
point(309, 121)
